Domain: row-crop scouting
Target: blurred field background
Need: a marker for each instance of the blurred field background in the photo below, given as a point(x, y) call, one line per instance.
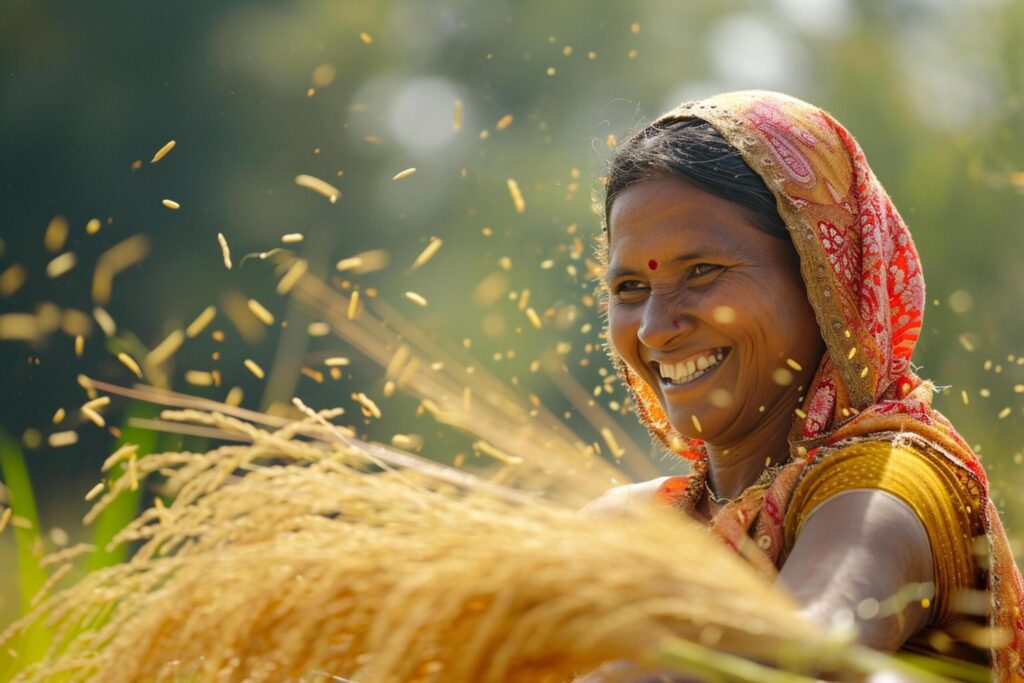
point(255, 93)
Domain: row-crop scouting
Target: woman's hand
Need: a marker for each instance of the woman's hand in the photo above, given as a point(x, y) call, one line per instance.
point(622, 671)
point(623, 501)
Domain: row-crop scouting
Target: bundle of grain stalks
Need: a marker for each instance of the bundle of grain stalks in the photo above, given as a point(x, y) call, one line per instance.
point(302, 554)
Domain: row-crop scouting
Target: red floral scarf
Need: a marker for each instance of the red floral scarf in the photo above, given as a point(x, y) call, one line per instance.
point(864, 281)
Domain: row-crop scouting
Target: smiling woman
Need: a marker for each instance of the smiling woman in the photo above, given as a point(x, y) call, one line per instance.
point(764, 299)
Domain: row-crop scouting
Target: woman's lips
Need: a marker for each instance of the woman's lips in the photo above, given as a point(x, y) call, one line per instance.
point(688, 371)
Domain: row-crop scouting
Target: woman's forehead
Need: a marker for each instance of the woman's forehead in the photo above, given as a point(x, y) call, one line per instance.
point(665, 211)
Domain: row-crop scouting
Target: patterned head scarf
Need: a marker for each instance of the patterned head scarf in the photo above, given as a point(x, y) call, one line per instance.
point(864, 282)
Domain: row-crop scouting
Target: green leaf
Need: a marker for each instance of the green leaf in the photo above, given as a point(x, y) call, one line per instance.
point(33, 643)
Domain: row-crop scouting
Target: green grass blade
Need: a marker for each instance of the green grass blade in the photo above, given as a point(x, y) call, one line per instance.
point(33, 643)
point(124, 509)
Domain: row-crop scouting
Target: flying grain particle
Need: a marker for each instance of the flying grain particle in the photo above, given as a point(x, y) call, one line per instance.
point(723, 314)
point(292, 238)
point(524, 299)
point(5, 518)
point(467, 399)
point(404, 174)
point(93, 417)
point(365, 262)
point(720, 398)
point(966, 342)
point(864, 372)
point(234, 397)
point(12, 279)
point(367, 403)
point(632, 54)
point(457, 118)
point(196, 327)
point(19, 522)
point(533, 318)
point(517, 196)
point(162, 152)
point(94, 491)
point(366, 37)
point(261, 312)
point(165, 349)
point(253, 368)
point(118, 258)
point(58, 416)
point(965, 397)
point(323, 75)
point(547, 264)
point(319, 186)
point(614, 448)
point(591, 55)
point(20, 326)
point(793, 364)
point(635, 28)
point(56, 234)
point(171, 204)
point(337, 361)
point(61, 264)
point(31, 438)
point(696, 423)
point(130, 363)
point(1004, 413)
point(350, 263)
point(397, 362)
point(389, 389)
point(1018, 388)
point(408, 442)
point(611, 141)
point(961, 301)
point(505, 263)
point(87, 384)
point(60, 439)
point(504, 122)
point(93, 226)
point(416, 298)
point(224, 250)
point(97, 403)
point(428, 253)
point(485, 448)
point(292, 276)
point(318, 328)
point(199, 378)
point(800, 413)
point(353, 306)
point(567, 50)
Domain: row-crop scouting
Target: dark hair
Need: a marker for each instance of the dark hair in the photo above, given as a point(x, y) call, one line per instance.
point(693, 150)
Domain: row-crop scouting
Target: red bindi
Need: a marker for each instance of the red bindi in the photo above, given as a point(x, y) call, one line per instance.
point(652, 264)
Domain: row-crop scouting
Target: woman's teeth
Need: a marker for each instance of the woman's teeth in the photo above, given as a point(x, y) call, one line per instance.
point(691, 368)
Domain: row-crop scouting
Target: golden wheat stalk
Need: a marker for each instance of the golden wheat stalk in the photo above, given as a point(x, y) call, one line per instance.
point(285, 557)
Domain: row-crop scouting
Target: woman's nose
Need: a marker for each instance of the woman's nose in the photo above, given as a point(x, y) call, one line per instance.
point(663, 321)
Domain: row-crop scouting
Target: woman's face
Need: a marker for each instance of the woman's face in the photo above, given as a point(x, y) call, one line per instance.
point(708, 310)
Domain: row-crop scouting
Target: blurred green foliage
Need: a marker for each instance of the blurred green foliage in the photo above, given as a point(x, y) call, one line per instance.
point(255, 93)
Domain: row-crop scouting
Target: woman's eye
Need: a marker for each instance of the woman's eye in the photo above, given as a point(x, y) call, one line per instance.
point(627, 286)
point(705, 268)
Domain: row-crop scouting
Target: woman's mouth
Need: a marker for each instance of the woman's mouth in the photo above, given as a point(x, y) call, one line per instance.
point(689, 369)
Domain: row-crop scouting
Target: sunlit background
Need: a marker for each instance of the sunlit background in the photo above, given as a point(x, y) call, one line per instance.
point(256, 93)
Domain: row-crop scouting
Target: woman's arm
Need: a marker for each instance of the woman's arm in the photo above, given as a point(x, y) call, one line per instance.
point(861, 545)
